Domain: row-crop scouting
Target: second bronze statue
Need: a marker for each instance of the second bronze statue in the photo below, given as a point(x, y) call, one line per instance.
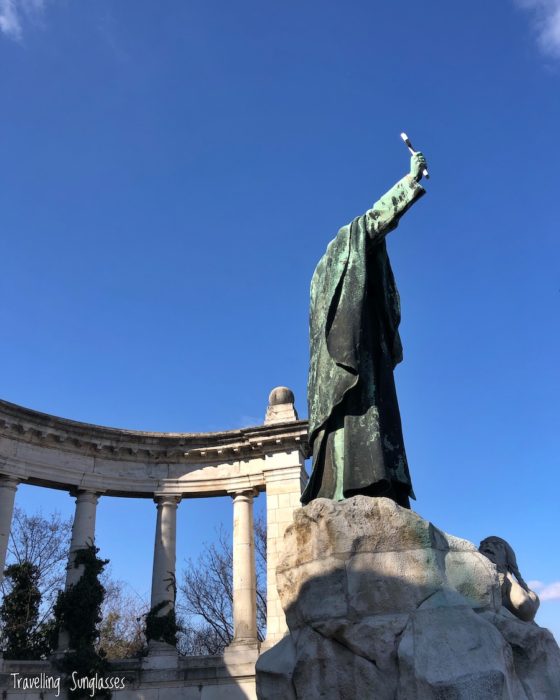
point(355, 431)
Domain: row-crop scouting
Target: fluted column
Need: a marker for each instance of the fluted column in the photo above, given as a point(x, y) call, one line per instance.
point(83, 532)
point(244, 577)
point(8, 488)
point(163, 575)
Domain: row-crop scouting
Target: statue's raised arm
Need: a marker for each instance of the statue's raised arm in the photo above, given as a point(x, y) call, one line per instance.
point(355, 432)
point(385, 214)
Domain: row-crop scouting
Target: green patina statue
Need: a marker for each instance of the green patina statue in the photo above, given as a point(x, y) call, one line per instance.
point(355, 432)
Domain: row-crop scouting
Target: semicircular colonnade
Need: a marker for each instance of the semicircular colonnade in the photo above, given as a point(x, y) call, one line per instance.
point(92, 462)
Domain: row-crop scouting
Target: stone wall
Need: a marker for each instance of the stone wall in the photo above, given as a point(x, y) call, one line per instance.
point(196, 678)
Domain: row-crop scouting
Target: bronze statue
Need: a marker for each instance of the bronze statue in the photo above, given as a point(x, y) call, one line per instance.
point(355, 432)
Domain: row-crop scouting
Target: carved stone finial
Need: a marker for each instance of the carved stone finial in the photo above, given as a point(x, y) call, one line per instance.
point(280, 395)
point(280, 406)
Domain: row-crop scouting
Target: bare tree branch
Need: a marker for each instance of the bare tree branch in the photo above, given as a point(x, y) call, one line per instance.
point(121, 633)
point(206, 595)
point(43, 541)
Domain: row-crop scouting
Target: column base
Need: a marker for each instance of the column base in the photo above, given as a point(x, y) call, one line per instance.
point(57, 656)
point(242, 651)
point(63, 644)
point(160, 656)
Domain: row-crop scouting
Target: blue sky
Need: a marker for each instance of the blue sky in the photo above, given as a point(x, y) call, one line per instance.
point(170, 175)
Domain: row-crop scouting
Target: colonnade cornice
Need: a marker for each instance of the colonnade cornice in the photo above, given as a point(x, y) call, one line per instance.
point(56, 452)
point(36, 428)
point(92, 462)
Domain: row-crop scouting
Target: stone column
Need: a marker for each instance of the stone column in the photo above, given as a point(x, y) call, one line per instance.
point(83, 532)
point(244, 649)
point(163, 575)
point(8, 488)
point(163, 656)
point(285, 477)
point(244, 575)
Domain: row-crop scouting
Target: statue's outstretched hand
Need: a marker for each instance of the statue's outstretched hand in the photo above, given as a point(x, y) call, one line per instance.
point(417, 165)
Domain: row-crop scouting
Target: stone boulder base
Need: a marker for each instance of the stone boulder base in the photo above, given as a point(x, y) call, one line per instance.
point(382, 605)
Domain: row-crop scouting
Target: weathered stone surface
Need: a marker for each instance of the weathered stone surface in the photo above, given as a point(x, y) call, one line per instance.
point(372, 638)
point(383, 605)
point(330, 670)
point(364, 556)
point(451, 652)
point(392, 582)
point(277, 666)
point(474, 577)
point(536, 655)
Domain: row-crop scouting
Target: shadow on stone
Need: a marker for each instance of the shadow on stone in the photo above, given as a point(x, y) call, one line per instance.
point(229, 677)
point(383, 605)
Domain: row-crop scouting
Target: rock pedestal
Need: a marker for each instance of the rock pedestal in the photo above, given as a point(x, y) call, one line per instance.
point(381, 604)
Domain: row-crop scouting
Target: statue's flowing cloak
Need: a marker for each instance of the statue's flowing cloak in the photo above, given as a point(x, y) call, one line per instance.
point(354, 347)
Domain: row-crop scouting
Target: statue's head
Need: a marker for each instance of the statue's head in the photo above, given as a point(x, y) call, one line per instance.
point(497, 550)
point(501, 553)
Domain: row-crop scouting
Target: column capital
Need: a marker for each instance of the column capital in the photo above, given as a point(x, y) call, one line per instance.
point(167, 499)
point(243, 493)
point(8, 482)
point(85, 496)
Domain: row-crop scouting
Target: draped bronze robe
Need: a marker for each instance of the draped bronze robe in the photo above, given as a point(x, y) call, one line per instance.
point(355, 431)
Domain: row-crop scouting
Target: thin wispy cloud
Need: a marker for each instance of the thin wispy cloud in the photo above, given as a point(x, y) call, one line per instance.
point(546, 591)
point(14, 14)
point(546, 20)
